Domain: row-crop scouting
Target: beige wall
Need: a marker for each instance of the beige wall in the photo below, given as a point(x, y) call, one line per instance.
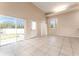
point(68, 24)
point(26, 11)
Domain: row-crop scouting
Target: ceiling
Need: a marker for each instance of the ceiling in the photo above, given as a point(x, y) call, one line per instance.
point(51, 7)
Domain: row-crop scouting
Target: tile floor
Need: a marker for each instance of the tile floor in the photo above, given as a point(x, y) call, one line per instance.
point(44, 46)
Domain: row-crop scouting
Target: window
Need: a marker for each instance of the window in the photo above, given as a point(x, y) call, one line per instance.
point(33, 25)
point(53, 23)
point(11, 29)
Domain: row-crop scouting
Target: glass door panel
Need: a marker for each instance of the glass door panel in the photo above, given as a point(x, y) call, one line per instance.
point(20, 29)
point(7, 30)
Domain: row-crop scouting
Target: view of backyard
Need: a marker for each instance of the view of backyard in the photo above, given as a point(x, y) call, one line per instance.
point(11, 29)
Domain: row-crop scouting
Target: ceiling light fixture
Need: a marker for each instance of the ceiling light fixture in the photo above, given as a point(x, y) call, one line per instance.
point(60, 8)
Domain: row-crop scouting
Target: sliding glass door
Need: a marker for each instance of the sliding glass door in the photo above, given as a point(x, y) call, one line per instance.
point(11, 29)
point(20, 29)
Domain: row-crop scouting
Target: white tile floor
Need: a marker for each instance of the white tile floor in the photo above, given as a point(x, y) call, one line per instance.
point(44, 46)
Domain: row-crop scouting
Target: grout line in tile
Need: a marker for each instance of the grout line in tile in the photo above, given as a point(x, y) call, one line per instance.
point(61, 47)
point(71, 47)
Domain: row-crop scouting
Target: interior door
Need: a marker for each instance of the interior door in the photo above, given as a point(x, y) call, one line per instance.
point(43, 28)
